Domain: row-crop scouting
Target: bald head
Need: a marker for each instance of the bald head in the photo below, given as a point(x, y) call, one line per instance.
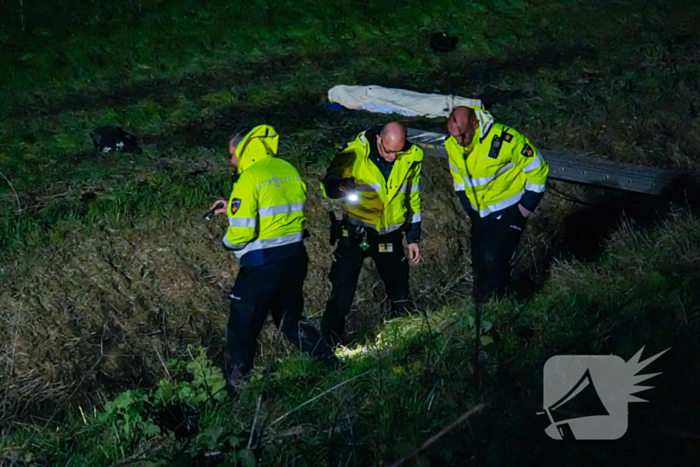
point(391, 140)
point(462, 124)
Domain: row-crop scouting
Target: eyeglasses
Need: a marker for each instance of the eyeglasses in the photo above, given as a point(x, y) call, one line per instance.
point(381, 141)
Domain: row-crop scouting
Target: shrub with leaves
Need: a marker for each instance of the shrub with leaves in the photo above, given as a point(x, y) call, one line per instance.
point(129, 413)
point(207, 381)
point(135, 413)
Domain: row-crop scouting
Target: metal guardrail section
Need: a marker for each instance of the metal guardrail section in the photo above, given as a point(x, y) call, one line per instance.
point(578, 169)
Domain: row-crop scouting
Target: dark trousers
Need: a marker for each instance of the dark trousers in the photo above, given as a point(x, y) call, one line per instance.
point(275, 288)
point(493, 243)
point(348, 257)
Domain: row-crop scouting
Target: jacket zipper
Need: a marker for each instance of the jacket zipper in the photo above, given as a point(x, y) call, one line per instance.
point(469, 175)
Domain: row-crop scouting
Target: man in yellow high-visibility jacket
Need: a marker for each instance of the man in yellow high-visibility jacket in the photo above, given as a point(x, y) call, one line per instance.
point(499, 177)
point(378, 178)
point(266, 231)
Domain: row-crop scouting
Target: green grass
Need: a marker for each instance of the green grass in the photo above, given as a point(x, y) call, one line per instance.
point(612, 81)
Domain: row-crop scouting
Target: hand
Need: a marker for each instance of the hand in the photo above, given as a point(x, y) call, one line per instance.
point(221, 210)
point(347, 185)
point(414, 253)
point(523, 211)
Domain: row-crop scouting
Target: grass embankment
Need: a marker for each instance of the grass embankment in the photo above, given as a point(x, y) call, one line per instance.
point(106, 269)
point(416, 377)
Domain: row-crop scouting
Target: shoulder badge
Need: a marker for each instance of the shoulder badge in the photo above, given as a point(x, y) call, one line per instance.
point(235, 205)
point(527, 151)
point(507, 137)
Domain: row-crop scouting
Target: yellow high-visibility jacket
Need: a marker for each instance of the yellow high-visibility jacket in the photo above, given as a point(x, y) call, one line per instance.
point(384, 205)
point(266, 208)
point(498, 169)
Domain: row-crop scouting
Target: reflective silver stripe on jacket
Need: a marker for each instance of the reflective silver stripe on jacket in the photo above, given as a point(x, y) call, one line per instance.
point(383, 230)
point(368, 187)
point(281, 209)
point(533, 165)
point(360, 223)
point(232, 246)
point(536, 187)
point(474, 182)
point(481, 181)
point(264, 244)
point(241, 222)
point(499, 206)
point(391, 228)
point(414, 188)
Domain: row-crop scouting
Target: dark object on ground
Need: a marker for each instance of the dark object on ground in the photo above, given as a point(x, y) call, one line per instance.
point(180, 418)
point(114, 139)
point(441, 42)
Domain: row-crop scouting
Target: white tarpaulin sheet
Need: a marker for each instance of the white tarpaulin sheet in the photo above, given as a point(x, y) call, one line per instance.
point(388, 100)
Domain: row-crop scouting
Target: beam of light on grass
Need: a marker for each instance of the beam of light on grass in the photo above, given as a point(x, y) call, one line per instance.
point(360, 350)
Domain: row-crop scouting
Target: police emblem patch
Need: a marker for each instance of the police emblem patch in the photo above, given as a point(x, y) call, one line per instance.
point(527, 151)
point(507, 137)
point(235, 204)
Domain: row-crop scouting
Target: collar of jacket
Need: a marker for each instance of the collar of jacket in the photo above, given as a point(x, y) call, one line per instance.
point(257, 145)
point(486, 122)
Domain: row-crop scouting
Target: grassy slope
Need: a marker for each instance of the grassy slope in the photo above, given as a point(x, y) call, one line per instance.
point(416, 377)
point(93, 264)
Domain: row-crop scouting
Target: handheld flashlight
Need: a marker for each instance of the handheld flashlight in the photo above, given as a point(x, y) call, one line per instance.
point(210, 214)
point(352, 197)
